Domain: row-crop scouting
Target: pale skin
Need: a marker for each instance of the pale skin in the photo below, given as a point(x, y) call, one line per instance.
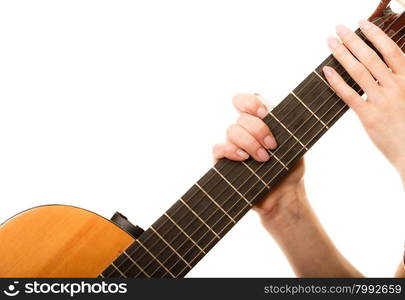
point(286, 212)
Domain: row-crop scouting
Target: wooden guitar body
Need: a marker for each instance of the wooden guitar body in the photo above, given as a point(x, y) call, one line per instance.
point(59, 241)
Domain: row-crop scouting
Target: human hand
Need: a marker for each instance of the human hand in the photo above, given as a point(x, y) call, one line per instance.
point(383, 113)
point(250, 136)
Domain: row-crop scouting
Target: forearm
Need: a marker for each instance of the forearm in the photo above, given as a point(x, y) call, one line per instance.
point(305, 243)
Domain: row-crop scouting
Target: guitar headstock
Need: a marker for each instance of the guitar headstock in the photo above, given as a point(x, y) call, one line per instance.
point(392, 23)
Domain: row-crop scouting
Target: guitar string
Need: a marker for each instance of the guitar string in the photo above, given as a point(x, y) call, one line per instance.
point(221, 193)
point(243, 183)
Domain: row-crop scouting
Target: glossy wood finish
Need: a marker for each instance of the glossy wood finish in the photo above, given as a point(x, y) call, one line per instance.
point(59, 241)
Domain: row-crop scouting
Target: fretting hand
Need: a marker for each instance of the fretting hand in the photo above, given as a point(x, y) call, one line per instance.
point(250, 136)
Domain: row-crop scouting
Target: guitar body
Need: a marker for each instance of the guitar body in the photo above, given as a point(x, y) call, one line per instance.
point(59, 241)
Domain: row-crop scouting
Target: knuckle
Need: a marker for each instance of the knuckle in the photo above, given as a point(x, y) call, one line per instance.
point(371, 58)
point(357, 71)
point(241, 119)
point(339, 51)
point(348, 39)
point(251, 105)
point(231, 129)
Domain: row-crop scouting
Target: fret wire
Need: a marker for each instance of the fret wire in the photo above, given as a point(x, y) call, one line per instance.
point(230, 184)
point(278, 159)
point(170, 246)
point(189, 237)
point(288, 131)
point(310, 110)
point(122, 274)
point(151, 254)
point(101, 275)
point(136, 264)
point(254, 173)
point(332, 118)
point(323, 79)
point(182, 201)
point(223, 210)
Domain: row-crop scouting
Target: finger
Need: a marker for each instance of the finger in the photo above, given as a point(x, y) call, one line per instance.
point(356, 69)
point(343, 90)
point(258, 129)
point(365, 55)
point(230, 151)
point(240, 137)
point(393, 55)
point(251, 104)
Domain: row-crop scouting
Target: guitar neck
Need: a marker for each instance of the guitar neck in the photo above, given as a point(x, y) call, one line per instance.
point(182, 236)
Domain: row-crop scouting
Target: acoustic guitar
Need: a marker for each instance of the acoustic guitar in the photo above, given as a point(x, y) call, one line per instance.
point(66, 241)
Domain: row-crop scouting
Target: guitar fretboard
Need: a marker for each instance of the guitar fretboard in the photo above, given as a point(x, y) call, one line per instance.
point(178, 240)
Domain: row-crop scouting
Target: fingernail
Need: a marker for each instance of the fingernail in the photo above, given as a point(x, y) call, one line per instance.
point(262, 112)
point(327, 71)
point(333, 43)
point(242, 153)
point(342, 30)
point(270, 142)
point(263, 155)
point(364, 25)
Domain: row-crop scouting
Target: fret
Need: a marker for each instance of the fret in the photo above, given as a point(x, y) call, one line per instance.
point(243, 181)
point(170, 246)
point(177, 239)
point(205, 208)
point(254, 173)
point(198, 217)
point(192, 225)
point(135, 263)
point(230, 198)
point(146, 266)
point(189, 237)
point(107, 272)
point(303, 146)
point(119, 271)
point(310, 110)
point(215, 202)
point(233, 187)
point(272, 154)
point(244, 184)
point(299, 121)
point(110, 272)
point(324, 80)
point(154, 257)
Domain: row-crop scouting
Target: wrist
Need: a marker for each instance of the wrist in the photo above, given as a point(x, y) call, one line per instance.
point(292, 206)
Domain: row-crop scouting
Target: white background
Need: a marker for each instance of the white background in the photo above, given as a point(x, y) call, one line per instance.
point(115, 105)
